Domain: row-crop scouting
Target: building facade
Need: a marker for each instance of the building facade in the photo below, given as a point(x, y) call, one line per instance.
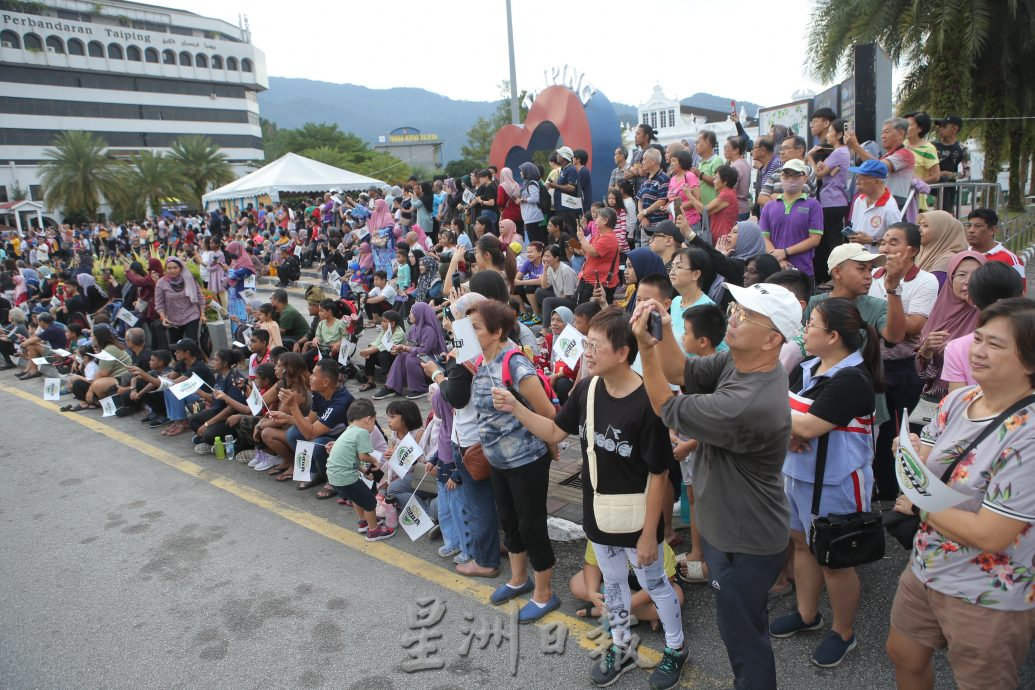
point(413, 147)
point(139, 76)
point(674, 121)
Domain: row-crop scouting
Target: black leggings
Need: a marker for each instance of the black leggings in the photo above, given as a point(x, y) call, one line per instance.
point(187, 330)
point(381, 359)
point(6, 350)
point(521, 503)
point(210, 432)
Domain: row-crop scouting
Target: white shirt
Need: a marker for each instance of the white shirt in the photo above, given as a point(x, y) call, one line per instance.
point(918, 297)
point(388, 292)
point(874, 219)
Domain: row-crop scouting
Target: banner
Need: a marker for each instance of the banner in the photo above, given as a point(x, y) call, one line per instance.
point(126, 316)
point(184, 388)
point(108, 405)
point(921, 486)
point(304, 451)
point(465, 340)
point(406, 453)
point(568, 346)
point(255, 403)
point(103, 356)
point(51, 389)
point(414, 520)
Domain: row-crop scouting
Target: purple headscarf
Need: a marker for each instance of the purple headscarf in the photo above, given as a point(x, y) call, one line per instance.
point(426, 331)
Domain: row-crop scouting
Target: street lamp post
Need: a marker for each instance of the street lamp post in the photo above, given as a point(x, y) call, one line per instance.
point(515, 113)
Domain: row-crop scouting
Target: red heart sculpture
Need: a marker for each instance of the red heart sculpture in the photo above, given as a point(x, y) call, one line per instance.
point(555, 104)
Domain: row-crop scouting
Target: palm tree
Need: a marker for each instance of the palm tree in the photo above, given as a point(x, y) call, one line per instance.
point(156, 177)
point(961, 57)
point(202, 164)
point(76, 172)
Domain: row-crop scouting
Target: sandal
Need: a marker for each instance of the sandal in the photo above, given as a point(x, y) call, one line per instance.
point(284, 476)
point(279, 469)
point(343, 501)
point(175, 430)
point(689, 572)
point(326, 492)
point(78, 408)
point(367, 387)
point(472, 569)
point(585, 611)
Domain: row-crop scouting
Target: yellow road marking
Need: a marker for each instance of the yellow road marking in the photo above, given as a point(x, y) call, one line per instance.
point(382, 551)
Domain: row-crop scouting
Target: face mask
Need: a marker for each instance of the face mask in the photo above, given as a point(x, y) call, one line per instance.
point(793, 186)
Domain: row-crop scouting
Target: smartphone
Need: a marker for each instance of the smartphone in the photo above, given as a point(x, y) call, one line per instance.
point(425, 358)
point(846, 129)
point(597, 274)
point(456, 280)
point(654, 325)
point(848, 231)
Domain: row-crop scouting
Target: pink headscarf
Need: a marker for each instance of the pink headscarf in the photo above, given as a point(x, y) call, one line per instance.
point(366, 256)
point(422, 239)
point(243, 260)
point(507, 182)
point(950, 313)
point(381, 217)
point(508, 229)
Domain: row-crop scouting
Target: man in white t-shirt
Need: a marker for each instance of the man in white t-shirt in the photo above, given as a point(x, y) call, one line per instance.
point(919, 290)
point(381, 297)
point(873, 209)
point(980, 227)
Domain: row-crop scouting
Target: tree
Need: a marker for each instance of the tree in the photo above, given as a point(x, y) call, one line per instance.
point(202, 164)
point(152, 178)
point(970, 58)
point(76, 172)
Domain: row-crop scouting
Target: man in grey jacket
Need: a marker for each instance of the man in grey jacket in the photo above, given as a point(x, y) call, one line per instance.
point(736, 407)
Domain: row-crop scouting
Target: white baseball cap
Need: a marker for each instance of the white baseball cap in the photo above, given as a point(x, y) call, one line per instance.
point(773, 301)
point(854, 252)
point(566, 153)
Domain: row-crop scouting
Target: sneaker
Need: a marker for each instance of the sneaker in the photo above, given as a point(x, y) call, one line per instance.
point(245, 456)
point(435, 532)
point(461, 558)
point(385, 392)
point(362, 526)
point(259, 457)
point(159, 421)
point(448, 551)
point(380, 532)
point(667, 673)
point(149, 418)
point(611, 667)
point(126, 411)
point(416, 395)
point(536, 321)
point(202, 448)
point(791, 624)
point(196, 439)
point(269, 462)
point(832, 650)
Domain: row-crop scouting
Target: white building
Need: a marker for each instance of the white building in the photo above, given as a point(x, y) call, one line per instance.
point(140, 76)
point(674, 121)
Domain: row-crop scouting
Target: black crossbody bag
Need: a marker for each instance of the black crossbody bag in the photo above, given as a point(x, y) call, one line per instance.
point(903, 527)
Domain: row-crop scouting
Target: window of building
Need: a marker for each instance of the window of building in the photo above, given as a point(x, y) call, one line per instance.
point(95, 49)
point(151, 55)
point(646, 118)
point(664, 119)
point(133, 54)
point(36, 192)
point(654, 119)
point(168, 57)
point(115, 51)
point(33, 42)
point(231, 64)
point(55, 45)
point(9, 39)
point(185, 59)
point(217, 62)
point(25, 74)
point(201, 60)
point(3, 194)
point(672, 118)
point(246, 65)
point(76, 47)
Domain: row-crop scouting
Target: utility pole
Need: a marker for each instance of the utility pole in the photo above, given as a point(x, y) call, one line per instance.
point(515, 113)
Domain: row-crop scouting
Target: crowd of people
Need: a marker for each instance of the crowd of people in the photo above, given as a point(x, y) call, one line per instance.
point(750, 347)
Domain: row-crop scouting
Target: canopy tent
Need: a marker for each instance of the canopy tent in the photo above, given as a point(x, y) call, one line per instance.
point(290, 173)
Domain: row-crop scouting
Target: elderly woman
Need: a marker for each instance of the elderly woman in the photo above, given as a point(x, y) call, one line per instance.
point(969, 585)
point(425, 338)
point(10, 335)
point(179, 302)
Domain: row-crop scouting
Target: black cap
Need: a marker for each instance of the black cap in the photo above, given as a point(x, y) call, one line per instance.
point(950, 120)
point(667, 227)
point(186, 344)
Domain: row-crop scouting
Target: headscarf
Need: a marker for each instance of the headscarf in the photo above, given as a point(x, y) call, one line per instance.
point(85, 281)
point(466, 181)
point(644, 262)
point(185, 281)
point(749, 241)
point(366, 256)
point(155, 265)
point(381, 217)
point(422, 238)
point(508, 230)
point(241, 257)
point(465, 303)
point(529, 171)
point(947, 239)
point(426, 330)
point(950, 313)
point(507, 182)
point(566, 314)
point(450, 186)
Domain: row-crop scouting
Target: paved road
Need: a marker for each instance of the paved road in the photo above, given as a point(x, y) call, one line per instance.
point(129, 562)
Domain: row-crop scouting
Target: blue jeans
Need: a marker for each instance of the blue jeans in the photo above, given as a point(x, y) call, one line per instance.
point(478, 517)
point(450, 519)
point(319, 454)
point(401, 489)
point(176, 409)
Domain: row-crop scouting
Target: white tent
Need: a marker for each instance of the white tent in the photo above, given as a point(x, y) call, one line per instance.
point(291, 173)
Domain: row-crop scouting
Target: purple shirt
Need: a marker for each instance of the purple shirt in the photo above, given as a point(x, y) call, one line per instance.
point(834, 191)
point(786, 226)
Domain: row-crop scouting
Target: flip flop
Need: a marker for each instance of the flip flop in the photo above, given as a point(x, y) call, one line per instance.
point(694, 571)
point(284, 476)
point(326, 492)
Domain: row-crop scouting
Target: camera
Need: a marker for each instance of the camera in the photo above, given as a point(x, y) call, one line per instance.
point(469, 257)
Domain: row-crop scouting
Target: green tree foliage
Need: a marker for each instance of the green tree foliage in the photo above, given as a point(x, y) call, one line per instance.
point(328, 144)
point(970, 57)
point(76, 172)
point(202, 164)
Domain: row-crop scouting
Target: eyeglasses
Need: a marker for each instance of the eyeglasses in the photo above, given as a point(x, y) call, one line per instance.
point(589, 346)
point(679, 267)
point(812, 324)
point(736, 314)
point(961, 276)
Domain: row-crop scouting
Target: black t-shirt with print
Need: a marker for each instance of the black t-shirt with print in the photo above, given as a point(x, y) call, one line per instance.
point(200, 368)
point(631, 442)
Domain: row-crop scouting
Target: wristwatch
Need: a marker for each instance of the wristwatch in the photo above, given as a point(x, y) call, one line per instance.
point(897, 291)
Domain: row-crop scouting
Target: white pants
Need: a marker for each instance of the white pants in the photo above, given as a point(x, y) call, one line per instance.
point(614, 562)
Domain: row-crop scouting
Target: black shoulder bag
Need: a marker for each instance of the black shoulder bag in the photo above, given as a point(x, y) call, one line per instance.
point(902, 526)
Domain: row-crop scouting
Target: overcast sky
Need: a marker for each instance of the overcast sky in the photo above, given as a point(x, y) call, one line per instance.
point(458, 48)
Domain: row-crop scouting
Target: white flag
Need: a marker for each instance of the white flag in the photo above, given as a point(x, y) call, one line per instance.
point(39, 361)
point(255, 401)
point(336, 287)
point(184, 388)
point(465, 340)
point(246, 336)
point(126, 317)
point(332, 276)
point(63, 353)
point(406, 453)
point(55, 302)
point(568, 346)
point(921, 486)
point(51, 389)
point(249, 282)
point(103, 356)
point(468, 196)
point(108, 405)
point(346, 351)
point(303, 471)
point(164, 383)
point(414, 520)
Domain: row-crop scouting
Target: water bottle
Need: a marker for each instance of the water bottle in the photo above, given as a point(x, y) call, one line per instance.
point(218, 448)
point(228, 443)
